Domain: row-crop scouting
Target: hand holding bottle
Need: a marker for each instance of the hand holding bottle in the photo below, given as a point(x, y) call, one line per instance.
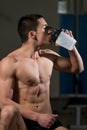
point(63, 38)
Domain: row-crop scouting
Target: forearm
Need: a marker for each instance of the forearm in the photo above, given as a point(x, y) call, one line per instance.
point(24, 111)
point(76, 61)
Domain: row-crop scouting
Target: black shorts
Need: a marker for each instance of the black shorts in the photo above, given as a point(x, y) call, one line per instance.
point(32, 125)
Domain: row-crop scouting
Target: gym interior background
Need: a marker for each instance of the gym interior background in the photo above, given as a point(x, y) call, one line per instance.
point(67, 14)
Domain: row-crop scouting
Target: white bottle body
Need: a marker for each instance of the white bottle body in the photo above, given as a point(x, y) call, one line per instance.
point(66, 41)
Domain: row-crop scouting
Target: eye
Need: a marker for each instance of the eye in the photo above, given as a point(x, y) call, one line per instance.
point(46, 28)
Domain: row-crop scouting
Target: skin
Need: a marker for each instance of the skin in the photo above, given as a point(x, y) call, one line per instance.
point(25, 79)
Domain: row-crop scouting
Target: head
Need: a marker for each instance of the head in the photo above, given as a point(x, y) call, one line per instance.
point(32, 26)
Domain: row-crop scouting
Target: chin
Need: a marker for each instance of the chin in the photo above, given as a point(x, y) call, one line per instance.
point(47, 43)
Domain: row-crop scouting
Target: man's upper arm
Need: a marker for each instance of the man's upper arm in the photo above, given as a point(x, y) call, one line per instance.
point(60, 63)
point(6, 79)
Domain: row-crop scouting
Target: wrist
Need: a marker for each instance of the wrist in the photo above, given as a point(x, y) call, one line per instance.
point(36, 117)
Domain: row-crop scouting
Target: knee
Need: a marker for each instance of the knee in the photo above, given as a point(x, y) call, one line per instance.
point(7, 113)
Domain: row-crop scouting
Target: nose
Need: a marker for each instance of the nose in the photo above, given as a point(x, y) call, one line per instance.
point(49, 32)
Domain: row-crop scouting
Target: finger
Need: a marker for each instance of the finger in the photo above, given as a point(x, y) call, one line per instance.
point(42, 51)
point(71, 34)
point(52, 121)
point(68, 32)
point(49, 125)
point(55, 115)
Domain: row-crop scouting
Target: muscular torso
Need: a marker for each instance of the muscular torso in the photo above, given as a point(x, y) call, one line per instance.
point(32, 80)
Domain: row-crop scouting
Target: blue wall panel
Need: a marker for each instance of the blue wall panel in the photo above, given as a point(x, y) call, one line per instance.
point(82, 47)
point(66, 79)
point(68, 82)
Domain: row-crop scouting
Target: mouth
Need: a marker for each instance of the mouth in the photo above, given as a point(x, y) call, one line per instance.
point(51, 42)
point(50, 38)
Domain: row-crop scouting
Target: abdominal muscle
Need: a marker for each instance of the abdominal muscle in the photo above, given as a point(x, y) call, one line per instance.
point(35, 98)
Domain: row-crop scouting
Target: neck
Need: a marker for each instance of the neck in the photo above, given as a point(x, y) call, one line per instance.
point(29, 49)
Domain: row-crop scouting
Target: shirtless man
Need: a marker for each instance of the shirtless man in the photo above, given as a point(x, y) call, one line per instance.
point(25, 78)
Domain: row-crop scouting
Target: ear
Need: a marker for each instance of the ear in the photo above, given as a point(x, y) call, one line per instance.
point(32, 34)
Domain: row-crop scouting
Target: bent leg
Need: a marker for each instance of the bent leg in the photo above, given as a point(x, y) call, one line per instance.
point(61, 128)
point(1, 126)
point(11, 119)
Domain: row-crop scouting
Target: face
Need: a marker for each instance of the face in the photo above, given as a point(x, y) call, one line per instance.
point(43, 32)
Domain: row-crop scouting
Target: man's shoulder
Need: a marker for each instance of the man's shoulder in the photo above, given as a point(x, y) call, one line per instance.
point(8, 59)
point(8, 63)
point(8, 66)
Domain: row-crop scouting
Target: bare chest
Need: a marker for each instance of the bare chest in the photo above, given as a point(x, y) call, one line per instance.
point(32, 72)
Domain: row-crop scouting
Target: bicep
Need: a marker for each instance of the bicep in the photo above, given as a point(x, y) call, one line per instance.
point(6, 87)
point(62, 64)
point(6, 79)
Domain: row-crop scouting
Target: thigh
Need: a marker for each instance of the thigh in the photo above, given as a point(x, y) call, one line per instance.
point(18, 123)
point(58, 125)
point(11, 119)
point(61, 128)
point(1, 126)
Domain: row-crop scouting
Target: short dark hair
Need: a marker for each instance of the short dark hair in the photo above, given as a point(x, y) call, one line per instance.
point(26, 24)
